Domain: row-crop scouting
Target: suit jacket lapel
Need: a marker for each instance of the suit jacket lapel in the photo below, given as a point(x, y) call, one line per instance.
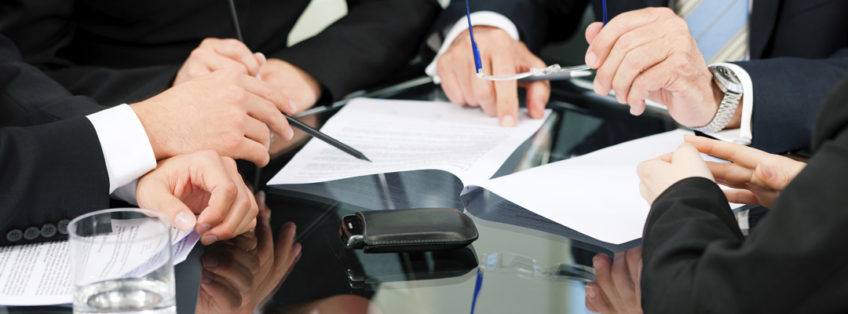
point(763, 18)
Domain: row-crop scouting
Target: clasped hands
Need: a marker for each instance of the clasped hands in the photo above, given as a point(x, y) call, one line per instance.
point(640, 54)
point(217, 110)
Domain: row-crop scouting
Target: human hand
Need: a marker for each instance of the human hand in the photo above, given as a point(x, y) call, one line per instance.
point(275, 260)
point(228, 112)
point(658, 174)
point(616, 288)
point(757, 177)
point(303, 89)
point(500, 55)
point(200, 183)
point(216, 54)
point(650, 54)
point(229, 269)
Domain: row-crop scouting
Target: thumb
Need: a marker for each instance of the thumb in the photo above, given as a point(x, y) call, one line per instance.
point(161, 200)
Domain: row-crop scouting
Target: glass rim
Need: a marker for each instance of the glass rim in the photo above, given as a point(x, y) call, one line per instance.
point(167, 223)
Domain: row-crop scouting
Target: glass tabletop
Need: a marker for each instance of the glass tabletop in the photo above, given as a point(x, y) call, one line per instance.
point(533, 266)
point(538, 267)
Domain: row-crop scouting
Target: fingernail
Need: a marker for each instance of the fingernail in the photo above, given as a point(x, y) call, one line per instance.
point(289, 133)
point(210, 239)
point(595, 261)
point(591, 59)
point(184, 221)
point(507, 121)
point(590, 291)
point(261, 57)
point(633, 111)
point(210, 261)
point(620, 99)
point(203, 228)
point(598, 88)
point(292, 106)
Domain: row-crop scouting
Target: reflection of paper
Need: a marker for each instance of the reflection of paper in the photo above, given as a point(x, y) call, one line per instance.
point(409, 135)
point(596, 194)
point(40, 274)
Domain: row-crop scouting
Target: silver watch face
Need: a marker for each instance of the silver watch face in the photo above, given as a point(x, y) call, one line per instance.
point(726, 80)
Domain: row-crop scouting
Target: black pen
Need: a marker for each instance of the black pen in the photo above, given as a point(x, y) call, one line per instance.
point(300, 125)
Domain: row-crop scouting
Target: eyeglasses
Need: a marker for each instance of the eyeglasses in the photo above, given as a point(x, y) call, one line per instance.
point(553, 72)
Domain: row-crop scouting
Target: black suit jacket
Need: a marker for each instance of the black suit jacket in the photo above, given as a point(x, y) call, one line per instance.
point(799, 50)
point(697, 261)
point(125, 51)
point(51, 166)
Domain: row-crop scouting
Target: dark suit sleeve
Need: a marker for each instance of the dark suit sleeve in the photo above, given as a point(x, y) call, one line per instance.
point(50, 169)
point(787, 95)
point(375, 38)
point(49, 172)
point(537, 21)
point(42, 28)
point(695, 259)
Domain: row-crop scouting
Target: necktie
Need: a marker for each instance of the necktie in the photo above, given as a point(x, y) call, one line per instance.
point(719, 26)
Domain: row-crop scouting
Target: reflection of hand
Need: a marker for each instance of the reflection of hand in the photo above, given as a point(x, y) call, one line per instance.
point(616, 289)
point(225, 111)
point(233, 289)
point(215, 54)
point(660, 173)
point(500, 55)
point(303, 89)
point(200, 183)
point(229, 269)
point(756, 176)
point(649, 53)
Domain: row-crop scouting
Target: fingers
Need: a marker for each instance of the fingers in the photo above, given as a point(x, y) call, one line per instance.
point(506, 92)
point(257, 132)
point(219, 293)
point(538, 92)
point(252, 151)
point(602, 43)
point(631, 54)
point(592, 31)
point(739, 154)
point(730, 174)
point(223, 192)
point(624, 285)
point(226, 267)
point(265, 104)
point(689, 159)
point(603, 276)
point(159, 197)
point(741, 196)
point(447, 66)
point(595, 299)
point(483, 91)
point(236, 51)
point(634, 264)
point(241, 215)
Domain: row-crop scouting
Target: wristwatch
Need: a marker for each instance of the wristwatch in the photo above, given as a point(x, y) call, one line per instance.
point(730, 85)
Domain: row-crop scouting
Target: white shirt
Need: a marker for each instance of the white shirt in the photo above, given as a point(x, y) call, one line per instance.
point(126, 149)
point(742, 135)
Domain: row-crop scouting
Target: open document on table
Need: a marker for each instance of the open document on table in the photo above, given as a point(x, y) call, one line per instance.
point(596, 195)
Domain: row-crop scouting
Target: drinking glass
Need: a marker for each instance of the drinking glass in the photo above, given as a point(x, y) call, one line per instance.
point(122, 262)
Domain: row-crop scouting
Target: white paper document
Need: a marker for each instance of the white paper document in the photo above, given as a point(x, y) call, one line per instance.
point(596, 194)
point(41, 274)
point(402, 135)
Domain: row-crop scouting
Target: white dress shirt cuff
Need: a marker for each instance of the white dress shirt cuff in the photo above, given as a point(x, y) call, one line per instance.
point(126, 148)
point(127, 192)
point(482, 18)
point(743, 134)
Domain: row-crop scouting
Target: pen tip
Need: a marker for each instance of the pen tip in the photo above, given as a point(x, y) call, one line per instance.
point(365, 158)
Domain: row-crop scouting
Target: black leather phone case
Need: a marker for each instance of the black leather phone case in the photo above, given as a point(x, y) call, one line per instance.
point(422, 229)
